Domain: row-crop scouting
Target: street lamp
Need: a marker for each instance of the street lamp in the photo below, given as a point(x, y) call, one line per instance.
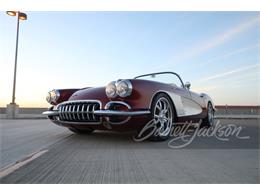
point(12, 108)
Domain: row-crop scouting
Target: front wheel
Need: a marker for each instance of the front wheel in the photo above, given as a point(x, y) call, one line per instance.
point(163, 116)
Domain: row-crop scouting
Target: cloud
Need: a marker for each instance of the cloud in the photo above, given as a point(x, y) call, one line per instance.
point(220, 75)
point(218, 40)
point(206, 88)
point(234, 52)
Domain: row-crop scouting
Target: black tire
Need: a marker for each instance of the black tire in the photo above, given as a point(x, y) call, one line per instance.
point(165, 132)
point(208, 121)
point(80, 131)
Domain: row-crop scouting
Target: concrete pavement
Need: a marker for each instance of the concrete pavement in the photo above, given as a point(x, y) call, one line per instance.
point(20, 138)
point(107, 157)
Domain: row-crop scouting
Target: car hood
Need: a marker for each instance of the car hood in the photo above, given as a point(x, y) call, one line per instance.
point(95, 93)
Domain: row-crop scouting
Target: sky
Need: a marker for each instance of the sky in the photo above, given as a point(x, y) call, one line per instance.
point(218, 52)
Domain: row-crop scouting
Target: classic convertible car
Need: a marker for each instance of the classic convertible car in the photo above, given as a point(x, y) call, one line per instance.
point(129, 104)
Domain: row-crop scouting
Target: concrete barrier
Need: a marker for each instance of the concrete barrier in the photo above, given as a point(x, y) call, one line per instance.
point(24, 113)
point(25, 110)
point(237, 110)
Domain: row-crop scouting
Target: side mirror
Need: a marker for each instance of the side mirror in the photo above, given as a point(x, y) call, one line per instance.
point(187, 85)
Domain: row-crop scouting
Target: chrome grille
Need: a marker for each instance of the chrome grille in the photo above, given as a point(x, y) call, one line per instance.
point(79, 111)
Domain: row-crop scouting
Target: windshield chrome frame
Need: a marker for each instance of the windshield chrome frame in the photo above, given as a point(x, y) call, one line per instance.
point(150, 74)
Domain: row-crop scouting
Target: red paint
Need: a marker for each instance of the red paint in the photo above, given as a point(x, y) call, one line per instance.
point(140, 99)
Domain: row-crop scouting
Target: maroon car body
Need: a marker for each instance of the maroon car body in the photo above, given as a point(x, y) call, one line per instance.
point(126, 113)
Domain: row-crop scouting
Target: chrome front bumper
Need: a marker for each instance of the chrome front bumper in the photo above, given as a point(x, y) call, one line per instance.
point(104, 113)
point(72, 109)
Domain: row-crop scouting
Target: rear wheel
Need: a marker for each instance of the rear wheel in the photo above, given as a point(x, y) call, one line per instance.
point(209, 120)
point(81, 131)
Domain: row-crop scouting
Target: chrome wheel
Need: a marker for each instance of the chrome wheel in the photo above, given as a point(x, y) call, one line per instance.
point(210, 115)
point(163, 116)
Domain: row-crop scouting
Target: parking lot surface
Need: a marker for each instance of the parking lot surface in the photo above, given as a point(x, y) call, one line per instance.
point(109, 157)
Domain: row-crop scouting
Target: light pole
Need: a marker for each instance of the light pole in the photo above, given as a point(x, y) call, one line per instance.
point(12, 108)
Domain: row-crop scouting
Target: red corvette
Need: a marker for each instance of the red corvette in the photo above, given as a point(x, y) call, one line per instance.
point(129, 104)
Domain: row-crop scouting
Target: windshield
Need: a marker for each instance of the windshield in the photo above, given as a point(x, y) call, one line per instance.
point(163, 77)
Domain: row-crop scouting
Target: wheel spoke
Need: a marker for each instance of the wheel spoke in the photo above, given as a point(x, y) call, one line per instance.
point(210, 114)
point(157, 106)
point(163, 116)
point(161, 128)
point(160, 105)
point(156, 116)
point(162, 102)
point(165, 110)
point(165, 119)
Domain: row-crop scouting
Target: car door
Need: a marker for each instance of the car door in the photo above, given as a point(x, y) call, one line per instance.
point(197, 98)
point(186, 105)
point(190, 106)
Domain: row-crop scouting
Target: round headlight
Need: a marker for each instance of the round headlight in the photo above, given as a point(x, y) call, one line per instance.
point(111, 90)
point(48, 97)
point(124, 88)
point(53, 96)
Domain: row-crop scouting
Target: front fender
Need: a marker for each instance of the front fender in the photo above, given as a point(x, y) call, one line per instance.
point(208, 99)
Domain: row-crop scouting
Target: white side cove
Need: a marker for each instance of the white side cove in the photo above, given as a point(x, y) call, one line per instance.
point(177, 103)
point(185, 106)
point(191, 107)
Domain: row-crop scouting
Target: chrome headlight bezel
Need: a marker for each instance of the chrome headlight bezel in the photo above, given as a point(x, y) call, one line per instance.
point(53, 96)
point(48, 97)
point(124, 88)
point(111, 90)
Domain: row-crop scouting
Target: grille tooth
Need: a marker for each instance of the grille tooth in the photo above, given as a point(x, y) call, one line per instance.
point(79, 111)
point(63, 111)
point(82, 110)
point(66, 112)
point(78, 114)
point(73, 112)
point(87, 112)
point(69, 118)
point(69, 110)
point(60, 111)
